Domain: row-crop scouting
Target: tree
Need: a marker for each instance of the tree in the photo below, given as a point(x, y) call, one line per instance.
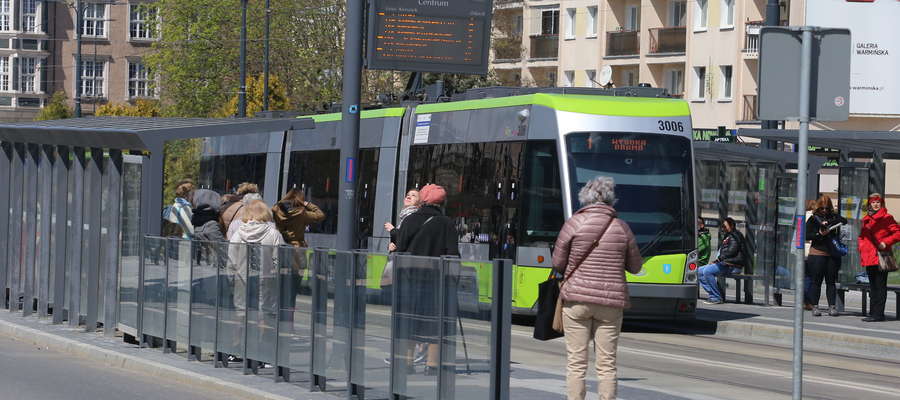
point(57, 108)
point(140, 108)
point(277, 97)
point(197, 56)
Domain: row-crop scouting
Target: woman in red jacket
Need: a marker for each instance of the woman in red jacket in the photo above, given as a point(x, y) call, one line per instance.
point(878, 233)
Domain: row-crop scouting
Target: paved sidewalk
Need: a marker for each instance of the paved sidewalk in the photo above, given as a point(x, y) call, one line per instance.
point(153, 363)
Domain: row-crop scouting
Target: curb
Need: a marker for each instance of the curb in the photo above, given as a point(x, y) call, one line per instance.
point(830, 342)
point(117, 360)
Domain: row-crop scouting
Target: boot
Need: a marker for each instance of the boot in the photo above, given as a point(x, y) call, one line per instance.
point(832, 311)
point(816, 312)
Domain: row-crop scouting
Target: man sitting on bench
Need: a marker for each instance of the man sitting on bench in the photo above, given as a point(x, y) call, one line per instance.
point(731, 257)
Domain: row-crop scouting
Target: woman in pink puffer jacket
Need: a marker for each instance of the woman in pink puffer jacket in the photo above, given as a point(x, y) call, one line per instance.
point(595, 294)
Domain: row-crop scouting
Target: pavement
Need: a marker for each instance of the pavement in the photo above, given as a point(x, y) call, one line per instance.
point(730, 351)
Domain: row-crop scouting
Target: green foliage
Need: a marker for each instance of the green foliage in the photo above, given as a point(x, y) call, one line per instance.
point(198, 55)
point(182, 161)
point(56, 108)
point(255, 87)
point(140, 108)
point(458, 83)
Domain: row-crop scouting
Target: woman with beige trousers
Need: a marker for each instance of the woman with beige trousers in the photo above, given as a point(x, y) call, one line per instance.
point(594, 292)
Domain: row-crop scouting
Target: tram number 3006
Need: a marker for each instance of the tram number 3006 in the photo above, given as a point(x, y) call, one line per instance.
point(671, 126)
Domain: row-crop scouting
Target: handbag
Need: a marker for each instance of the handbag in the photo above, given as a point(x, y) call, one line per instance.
point(548, 321)
point(886, 261)
point(838, 248)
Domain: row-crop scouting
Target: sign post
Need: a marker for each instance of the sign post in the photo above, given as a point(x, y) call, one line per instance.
point(787, 82)
point(348, 223)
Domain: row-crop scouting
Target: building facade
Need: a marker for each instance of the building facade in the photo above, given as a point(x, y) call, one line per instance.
point(705, 51)
point(38, 50)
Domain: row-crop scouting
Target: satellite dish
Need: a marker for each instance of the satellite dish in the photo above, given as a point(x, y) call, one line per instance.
point(605, 75)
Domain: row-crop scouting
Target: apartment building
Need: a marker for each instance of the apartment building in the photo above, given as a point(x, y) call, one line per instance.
point(38, 51)
point(706, 51)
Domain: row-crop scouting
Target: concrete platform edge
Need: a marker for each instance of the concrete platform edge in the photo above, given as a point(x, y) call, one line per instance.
point(117, 360)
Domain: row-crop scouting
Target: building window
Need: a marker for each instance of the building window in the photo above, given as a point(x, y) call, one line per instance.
point(140, 81)
point(550, 22)
point(632, 18)
point(591, 75)
point(569, 78)
point(30, 16)
point(6, 15)
point(570, 23)
point(28, 74)
point(142, 19)
point(727, 14)
point(551, 77)
point(94, 21)
point(92, 78)
point(519, 23)
point(700, 83)
point(677, 12)
point(675, 82)
point(726, 82)
point(5, 77)
point(629, 78)
point(592, 21)
point(700, 15)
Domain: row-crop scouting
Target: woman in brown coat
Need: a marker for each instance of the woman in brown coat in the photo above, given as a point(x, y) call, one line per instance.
point(293, 214)
point(595, 294)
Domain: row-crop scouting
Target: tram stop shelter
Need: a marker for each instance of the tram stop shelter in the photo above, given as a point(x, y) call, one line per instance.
point(81, 193)
point(756, 187)
point(861, 170)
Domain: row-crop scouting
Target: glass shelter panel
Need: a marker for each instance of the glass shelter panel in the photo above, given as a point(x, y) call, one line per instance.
point(853, 193)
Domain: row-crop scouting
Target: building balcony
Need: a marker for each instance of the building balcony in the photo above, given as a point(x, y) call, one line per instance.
point(668, 40)
point(623, 43)
point(507, 49)
point(508, 4)
point(751, 109)
point(751, 39)
point(544, 47)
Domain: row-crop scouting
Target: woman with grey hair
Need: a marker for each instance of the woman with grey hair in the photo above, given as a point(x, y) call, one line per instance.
point(593, 251)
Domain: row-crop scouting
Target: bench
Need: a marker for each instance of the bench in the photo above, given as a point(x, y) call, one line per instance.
point(740, 280)
point(864, 289)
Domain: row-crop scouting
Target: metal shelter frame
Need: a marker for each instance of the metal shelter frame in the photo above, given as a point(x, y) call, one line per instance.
point(760, 166)
point(61, 237)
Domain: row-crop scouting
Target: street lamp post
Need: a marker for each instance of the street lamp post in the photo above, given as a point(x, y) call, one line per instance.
point(266, 59)
point(242, 94)
point(79, 17)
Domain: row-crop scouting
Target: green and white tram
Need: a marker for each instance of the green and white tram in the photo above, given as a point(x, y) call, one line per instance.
point(512, 166)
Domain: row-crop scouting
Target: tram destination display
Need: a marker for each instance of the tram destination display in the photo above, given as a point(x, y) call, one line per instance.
point(449, 36)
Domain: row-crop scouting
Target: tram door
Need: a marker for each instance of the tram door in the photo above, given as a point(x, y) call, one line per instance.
point(853, 192)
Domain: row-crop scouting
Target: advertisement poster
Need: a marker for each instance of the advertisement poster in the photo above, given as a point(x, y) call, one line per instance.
point(875, 52)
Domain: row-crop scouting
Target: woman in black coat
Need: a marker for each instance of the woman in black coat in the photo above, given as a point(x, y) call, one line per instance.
point(823, 263)
point(426, 233)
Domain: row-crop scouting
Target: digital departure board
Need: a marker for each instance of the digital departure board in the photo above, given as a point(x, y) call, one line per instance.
point(451, 36)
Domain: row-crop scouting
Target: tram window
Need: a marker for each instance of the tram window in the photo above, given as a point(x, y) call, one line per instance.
point(481, 181)
point(316, 173)
point(653, 180)
point(224, 173)
point(542, 208)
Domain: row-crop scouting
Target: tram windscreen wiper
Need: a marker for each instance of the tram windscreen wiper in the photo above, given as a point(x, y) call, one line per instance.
point(650, 249)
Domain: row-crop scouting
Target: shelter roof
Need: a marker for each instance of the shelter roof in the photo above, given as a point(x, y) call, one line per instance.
point(139, 133)
point(742, 153)
point(881, 142)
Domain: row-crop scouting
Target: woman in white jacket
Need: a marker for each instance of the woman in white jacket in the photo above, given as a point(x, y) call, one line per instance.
point(257, 227)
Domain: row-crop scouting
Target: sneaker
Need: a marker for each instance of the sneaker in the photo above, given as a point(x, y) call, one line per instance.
point(713, 302)
point(431, 371)
point(832, 311)
point(420, 359)
point(873, 319)
point(233, 359)
point(816, 312)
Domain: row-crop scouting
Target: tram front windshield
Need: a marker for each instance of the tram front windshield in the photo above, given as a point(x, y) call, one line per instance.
point(653, 178)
